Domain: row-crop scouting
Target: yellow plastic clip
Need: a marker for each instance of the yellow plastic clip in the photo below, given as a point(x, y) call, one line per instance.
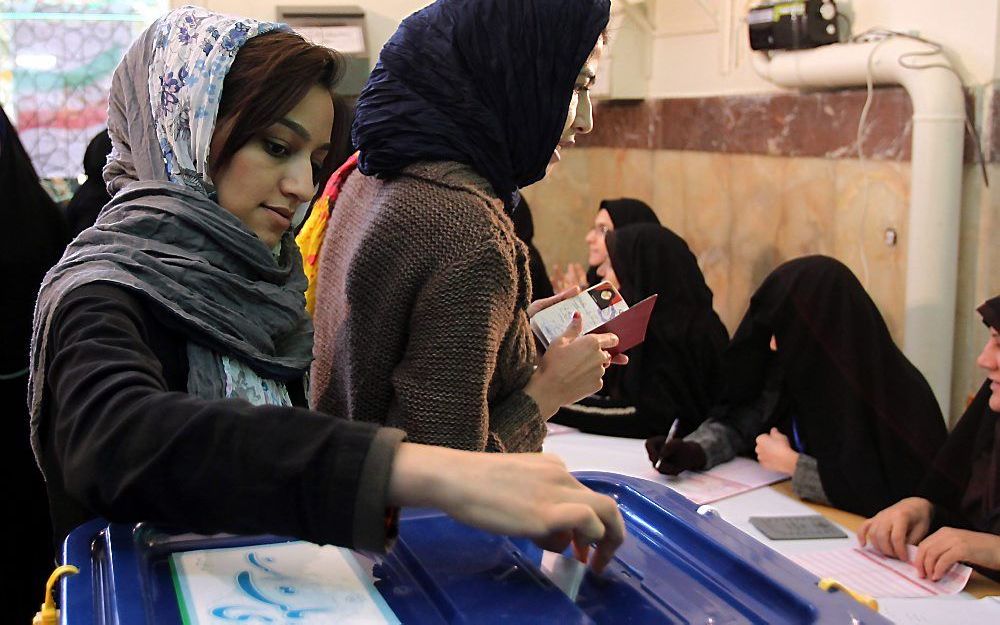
point(828, 584)
point(49, 614)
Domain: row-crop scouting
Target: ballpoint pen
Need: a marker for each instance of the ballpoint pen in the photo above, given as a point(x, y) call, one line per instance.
point(670, 436)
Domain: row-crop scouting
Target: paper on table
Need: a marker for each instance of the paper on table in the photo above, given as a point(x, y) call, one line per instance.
point(943, 611)
point(867, 571)
point(552, 429)
point(725, 480)
point(297, 581)
point(588, 452)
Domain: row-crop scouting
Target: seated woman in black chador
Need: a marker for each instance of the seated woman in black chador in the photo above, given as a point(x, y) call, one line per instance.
point(833, 401)
point(960, 497)
point(672, 374)
point(612, 214)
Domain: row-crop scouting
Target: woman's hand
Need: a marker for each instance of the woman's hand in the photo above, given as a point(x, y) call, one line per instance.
point(948, 545)
point(539, 305)
point(571, 369)
point(902, 523)
point(774, 452)
point(671, 457)
point(530, 495)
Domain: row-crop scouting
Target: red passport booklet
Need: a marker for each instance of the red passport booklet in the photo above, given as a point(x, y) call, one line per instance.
point(630, 326)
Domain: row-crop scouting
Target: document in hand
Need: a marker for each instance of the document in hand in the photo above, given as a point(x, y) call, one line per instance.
point(602, 309)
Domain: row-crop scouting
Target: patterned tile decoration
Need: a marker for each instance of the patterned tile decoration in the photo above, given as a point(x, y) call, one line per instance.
point(56, 62)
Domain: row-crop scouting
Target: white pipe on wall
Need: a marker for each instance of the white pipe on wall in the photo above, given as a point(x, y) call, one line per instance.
point(935, 185)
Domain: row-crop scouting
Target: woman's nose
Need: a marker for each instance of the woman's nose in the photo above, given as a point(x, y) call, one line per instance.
point(298, 181)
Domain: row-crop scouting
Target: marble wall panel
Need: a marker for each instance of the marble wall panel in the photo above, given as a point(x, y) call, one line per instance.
point(565, 202)
point(756, 216)
point(742, 215)
point(668, 189)
point(808, 207)
point(818, 123)
point(707, 196)
point(617, 172)
point(562, 209)
point(872, 198)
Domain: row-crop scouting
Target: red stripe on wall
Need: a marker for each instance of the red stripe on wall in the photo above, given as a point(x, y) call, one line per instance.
point(28, 119)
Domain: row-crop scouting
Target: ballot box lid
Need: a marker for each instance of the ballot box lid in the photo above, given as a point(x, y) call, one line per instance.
point(680, 563)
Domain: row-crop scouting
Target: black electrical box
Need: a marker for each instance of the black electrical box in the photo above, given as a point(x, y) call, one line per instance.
point(793, 24)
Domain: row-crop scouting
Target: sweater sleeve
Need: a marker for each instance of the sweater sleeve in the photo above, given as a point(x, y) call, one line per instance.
point(129, 449)
point(459, 322)
point(806, 482)
point(725, 435)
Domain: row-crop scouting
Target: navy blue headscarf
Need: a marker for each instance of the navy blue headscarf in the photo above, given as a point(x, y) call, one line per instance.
point(482, 82)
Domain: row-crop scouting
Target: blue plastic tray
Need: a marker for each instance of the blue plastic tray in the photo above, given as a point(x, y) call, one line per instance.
point(676, 566)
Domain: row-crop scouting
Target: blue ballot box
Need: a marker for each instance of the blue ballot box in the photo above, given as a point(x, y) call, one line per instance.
point(676, 566)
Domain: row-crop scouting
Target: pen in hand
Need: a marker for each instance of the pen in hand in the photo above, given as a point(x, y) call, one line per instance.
point(670, 436)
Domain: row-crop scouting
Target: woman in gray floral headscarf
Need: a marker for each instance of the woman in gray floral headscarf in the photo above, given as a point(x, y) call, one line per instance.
point(171, 340)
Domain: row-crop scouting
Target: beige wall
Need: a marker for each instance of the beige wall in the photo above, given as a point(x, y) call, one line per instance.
point(382, 17)
point(699, 46)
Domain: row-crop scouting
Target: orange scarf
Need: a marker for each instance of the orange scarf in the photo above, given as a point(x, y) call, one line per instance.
point(310, 238)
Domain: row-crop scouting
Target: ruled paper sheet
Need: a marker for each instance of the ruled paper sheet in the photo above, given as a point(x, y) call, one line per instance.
point(866, 571)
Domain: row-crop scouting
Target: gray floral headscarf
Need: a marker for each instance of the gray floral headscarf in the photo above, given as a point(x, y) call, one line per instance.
point(165, 239)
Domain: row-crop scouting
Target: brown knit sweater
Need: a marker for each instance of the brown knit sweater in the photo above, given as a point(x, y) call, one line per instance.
point(420, 312)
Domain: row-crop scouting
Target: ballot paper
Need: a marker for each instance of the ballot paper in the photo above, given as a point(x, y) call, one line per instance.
point(725, 480)
point(940, 611)
point(281, 583)
point(867, 571)
point(564, 571)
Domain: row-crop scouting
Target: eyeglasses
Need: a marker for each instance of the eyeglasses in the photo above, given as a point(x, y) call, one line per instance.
point(601, 229)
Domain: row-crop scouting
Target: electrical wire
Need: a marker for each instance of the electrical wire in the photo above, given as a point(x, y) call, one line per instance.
point(859, 141)
point(882, 35)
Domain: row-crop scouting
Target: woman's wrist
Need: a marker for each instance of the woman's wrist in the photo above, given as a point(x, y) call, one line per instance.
point(417, 475)
point(535, 389)
point(792, 463)
point(925, 508)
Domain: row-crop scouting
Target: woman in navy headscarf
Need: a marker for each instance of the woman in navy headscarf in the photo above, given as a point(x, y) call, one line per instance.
point(423, 289)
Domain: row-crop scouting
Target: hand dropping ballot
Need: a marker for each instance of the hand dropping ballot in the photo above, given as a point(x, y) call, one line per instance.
point(602, 309)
